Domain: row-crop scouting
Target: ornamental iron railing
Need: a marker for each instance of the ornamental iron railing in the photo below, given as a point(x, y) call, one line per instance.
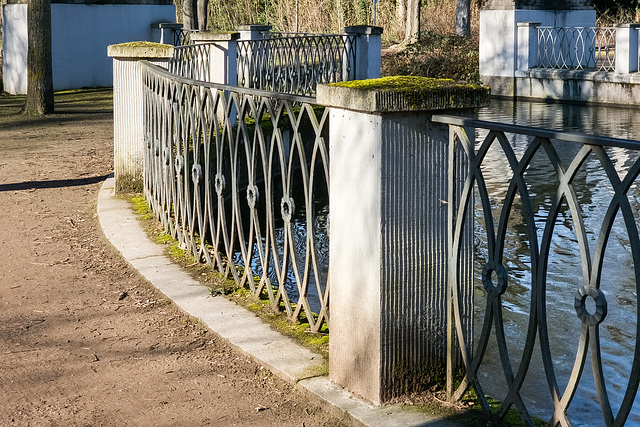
point(239, 177)
point(557, 271)
point(192, 61)
point(296, 64)
point(577, 48)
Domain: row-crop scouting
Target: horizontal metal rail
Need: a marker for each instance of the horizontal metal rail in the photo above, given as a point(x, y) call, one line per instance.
point(296, 64)
point(577, 48)
point(239, 177)
point(525, 190)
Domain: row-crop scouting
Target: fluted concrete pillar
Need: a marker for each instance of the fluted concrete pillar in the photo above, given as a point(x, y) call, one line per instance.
point(388, 232)
point(128, 102)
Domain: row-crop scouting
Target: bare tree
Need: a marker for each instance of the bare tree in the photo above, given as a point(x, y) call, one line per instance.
point(39, 67)
point(202, 14)
point(463, 18)
point(189, 15)
point(412, 33)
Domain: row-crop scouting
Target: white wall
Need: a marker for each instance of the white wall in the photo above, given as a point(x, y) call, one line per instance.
point(498, 34)
point(80, 34)
point(14, 46)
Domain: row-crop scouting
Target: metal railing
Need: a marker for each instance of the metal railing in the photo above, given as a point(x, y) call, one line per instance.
point(239, 177)
point(182, 37)
point(192, 61)
point(528, 239)
point(296, 64)
point(577, 48)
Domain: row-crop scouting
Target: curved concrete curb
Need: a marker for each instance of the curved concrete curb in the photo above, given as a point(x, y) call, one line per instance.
point(239, 327)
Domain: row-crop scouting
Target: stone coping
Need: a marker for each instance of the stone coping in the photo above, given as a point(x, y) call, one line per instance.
point(402, 93)
point(363, 29)
point(206, 36)
point(140, 50)
point(596, 76)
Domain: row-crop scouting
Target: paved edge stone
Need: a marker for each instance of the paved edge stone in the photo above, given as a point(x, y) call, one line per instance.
point(238, 326)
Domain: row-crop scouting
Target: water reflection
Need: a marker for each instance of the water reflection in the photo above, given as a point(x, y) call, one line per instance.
point(564, 274)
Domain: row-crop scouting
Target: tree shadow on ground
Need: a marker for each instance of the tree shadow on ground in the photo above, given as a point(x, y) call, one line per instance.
point(55, 183)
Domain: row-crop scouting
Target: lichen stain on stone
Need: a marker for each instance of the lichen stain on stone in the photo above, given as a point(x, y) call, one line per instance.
point(416, 90)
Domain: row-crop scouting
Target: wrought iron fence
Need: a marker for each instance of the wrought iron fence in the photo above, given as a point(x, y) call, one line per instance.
point(182, 37)
point(557, 252)
point(579, 48)
point(192, 61)
point(296, 64)
point(239, 177)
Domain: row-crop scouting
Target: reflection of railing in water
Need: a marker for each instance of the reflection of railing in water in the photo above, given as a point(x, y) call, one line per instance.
point(224, 166)
point(515, 216)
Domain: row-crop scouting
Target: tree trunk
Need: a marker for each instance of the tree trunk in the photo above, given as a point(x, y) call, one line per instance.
point(463, 18)
point(401, 14)
point(412, 33)
point(39, 68)
point(189, 20)
point(202, 14)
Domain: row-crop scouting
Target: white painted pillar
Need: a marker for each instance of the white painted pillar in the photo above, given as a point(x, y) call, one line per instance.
point(128, 102)
point(527, 45)
point(253, 31)
point(222, 56)
point(388, 233)
point(627, 48)
point(165, 32)
point(368, 51)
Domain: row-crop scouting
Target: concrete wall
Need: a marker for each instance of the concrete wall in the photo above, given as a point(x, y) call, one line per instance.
point(582, 86)
point(498, 40)
point(80, 36)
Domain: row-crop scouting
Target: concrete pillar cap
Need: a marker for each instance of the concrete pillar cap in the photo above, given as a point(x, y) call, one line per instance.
point(140, 50)
point(402, 93)
point(203, 36)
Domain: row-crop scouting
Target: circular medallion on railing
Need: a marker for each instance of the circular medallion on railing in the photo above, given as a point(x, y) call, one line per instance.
point(148, 141)
point(494, 278)
point(581, 305)
point(287, 208)
point(196, 173)
point(252, 196)
point(219, 184)
point(156, 147)
point(179, 164)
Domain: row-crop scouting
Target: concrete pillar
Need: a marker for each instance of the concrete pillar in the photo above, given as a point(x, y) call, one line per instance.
point(368, 51)
point(627, 48)
point(165, 32)
point(527, 45)
point(222, 56)
point(128, 103)
point(388, 232)
point(253, 31)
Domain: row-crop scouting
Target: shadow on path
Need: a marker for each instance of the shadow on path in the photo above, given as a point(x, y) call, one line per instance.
point(56, 183)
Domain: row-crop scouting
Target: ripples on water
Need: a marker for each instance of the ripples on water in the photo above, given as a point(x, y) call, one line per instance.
point(564, 275)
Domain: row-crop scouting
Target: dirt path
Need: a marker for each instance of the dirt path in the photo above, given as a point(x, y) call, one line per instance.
point(83, 339)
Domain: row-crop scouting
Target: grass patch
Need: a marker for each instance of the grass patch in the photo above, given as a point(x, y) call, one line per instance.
point(219, 285)
point(69, 105)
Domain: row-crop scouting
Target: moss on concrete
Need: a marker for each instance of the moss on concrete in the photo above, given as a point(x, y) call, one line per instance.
point(403, 93)
point(141, 49)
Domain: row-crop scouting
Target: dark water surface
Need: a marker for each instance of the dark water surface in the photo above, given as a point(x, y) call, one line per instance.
point(564, 274)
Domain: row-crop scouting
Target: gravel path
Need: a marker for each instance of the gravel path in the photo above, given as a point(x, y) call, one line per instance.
point(83, 339)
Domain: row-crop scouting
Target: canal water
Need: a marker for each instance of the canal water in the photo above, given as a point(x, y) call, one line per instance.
point(564, 273)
